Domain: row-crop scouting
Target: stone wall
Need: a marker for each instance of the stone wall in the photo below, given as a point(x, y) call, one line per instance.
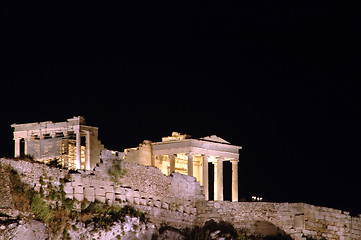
point(32, 172)
point(151, 180)
point(299, 220)
point(171, 200)
point(177, 200)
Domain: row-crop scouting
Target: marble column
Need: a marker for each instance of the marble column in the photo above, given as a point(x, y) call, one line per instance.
point(164, 165)
point(78, 151)
point(205, 177)
point(88, 150)
point(172, 163)
point(190, 164)
point(17, 147)
point(218, 179)
point(234, 180)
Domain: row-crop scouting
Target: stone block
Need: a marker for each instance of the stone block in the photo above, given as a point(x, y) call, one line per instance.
point(100, 192)
point(100, 198)
point(79, 196)
point(89, 194)
point(136, 201)
point(68, 190)
point(136, 194)
point(119, 190)
point(129, 195)
point(70, 196)
point(95, 183)
point(75, 184)
point(109, 189)
point(120, 197)
point(165, 205)
point(110, 196)
point(78, 190)
point(143, 201)
point(150, 202)
point(157, 204)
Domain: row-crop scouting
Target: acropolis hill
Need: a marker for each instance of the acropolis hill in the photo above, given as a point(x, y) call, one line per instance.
point(168, 181)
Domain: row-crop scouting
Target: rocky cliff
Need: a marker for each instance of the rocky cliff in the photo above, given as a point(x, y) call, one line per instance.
point(161, 207)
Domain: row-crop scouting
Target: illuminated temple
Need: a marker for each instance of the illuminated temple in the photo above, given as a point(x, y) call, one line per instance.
point(76, 146)
point(181, 154)
point(72, 143)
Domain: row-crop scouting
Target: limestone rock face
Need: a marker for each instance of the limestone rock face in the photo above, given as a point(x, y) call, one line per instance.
point(25, 230)
point(176, 201)
point(131, 228)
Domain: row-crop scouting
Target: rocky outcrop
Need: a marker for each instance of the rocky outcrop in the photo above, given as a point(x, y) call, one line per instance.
point(175, 201)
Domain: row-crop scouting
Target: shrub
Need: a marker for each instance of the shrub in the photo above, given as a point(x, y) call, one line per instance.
point(41, 209)
point(21, 193)
point(104, 216)
point(68, 204)
point(26, 157)
point(54, 163)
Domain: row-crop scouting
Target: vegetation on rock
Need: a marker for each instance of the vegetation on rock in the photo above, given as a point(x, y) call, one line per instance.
point(51, 207)
point(116, 172)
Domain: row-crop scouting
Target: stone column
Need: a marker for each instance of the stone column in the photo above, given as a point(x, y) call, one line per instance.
point(218, 179)
point(26, 145)
point(65, 151)
point(205, 177)
point(234, 180)
point(190, 164)
point(172, 163)
point(88, 151)
point(164, 165)
point(17, 147)
point(78, 151)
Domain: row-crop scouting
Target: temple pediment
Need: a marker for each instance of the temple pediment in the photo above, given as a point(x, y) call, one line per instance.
point(215, 138)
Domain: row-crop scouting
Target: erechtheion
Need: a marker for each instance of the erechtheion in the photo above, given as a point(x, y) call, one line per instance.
point(73, 143)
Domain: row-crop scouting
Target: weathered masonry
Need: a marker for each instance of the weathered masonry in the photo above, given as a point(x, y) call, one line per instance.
point(73, 143)
point(182, 154)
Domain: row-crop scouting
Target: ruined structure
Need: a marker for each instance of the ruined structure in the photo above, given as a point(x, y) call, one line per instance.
point(177, 201)
point(166, 180)
point(74, 144)
point(181, 154)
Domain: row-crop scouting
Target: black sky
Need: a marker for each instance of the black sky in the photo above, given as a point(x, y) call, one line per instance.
point(280, 80)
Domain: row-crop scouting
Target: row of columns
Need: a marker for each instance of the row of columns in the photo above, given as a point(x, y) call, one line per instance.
point(218, 175)
point(78, 149)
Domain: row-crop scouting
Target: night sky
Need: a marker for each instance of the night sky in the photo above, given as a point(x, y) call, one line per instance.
point(280, 80)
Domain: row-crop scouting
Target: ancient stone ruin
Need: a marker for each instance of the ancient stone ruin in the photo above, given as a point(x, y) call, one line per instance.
point(166, 180)
point(73, 143)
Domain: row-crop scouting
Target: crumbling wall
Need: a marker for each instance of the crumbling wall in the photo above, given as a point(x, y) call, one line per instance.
point(151, 180)
point(160, 209)
point(178, 201)
point(32, 172)
point(299, 220)
point(141, 154)
point(171, 200)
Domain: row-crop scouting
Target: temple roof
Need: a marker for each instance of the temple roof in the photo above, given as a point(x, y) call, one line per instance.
point(214, 138)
